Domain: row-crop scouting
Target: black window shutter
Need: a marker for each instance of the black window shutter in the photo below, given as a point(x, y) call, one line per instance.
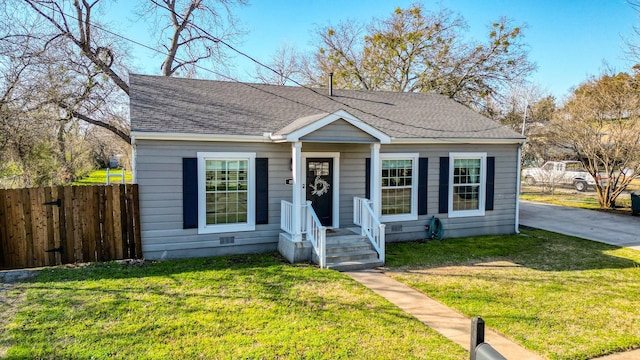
point(262, 191)
point(491, 174)
point(423, 167)
point(367, 178)
point(443, 198)
point(189, 193)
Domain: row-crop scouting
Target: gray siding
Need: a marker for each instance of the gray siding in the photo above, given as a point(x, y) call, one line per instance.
point(339, 131)
point(159, 174)
point(501, 220)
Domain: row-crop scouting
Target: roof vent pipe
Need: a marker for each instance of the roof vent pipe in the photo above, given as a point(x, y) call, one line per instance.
point(330, 84)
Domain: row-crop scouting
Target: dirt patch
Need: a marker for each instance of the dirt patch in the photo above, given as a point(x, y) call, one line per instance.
point(12, 295)
point(16, 276)
point(498, 264)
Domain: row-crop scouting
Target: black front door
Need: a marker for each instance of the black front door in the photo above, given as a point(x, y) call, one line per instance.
point(320, 188)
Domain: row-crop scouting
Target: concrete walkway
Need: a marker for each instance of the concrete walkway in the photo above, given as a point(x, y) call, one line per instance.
point(614, 229)
point(448, 322)
point(629, 355)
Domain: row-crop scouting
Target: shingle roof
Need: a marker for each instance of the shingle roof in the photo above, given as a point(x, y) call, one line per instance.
point(177, 105)
point(300, 122)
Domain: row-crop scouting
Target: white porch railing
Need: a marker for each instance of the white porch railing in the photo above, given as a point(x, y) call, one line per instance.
point(316, 234)
point(370, 225)
point(286, 217)
point(358, 204)
point(303, 216)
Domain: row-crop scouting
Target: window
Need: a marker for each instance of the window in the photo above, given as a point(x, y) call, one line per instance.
point(467, 183)
point(548, 167)
point(574, 166)
point(226, 192)
point(399, 187)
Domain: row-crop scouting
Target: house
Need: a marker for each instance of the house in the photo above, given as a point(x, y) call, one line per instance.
point(229, 167)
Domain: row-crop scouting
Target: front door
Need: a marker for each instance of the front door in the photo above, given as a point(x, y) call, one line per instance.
point(320, 188)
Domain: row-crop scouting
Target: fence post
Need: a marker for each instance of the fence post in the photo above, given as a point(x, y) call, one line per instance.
point(477, 336)
point(110, 175)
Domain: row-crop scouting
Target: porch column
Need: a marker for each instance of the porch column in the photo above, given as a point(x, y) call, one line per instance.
point(298, 181)
point(376, 172)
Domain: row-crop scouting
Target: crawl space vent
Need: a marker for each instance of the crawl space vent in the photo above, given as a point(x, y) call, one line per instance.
point(227, 240)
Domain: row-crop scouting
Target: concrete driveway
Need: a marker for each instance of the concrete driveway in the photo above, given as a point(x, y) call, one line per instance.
point(614, 229)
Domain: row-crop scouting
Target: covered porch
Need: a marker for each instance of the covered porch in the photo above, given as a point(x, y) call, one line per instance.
point(348, 248)
point(330, 223)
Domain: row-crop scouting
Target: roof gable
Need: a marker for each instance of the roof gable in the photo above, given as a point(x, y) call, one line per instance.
point(305, 126)
point(339, 131)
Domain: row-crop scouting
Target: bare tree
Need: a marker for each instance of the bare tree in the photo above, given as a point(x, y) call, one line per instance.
point(77, 25)
point(633, 44)
point(68, 31)
point(415, 50)
point(601, 124)
point(65, 72)
point(528, 110)
point(194, 29)
point(39, 139)
point(24, 140)
point(284, 67)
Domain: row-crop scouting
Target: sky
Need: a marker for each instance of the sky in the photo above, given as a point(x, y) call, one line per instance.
point(569, 40)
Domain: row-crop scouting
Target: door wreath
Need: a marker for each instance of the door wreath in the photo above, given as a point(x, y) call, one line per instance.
point(320, 186)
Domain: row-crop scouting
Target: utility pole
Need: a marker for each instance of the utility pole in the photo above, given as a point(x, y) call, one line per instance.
point(524, 119)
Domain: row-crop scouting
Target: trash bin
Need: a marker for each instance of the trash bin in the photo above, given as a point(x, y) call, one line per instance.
point(635, 202)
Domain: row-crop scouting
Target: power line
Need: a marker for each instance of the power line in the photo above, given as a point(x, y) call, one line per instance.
point(259, 63)
point(218, 40)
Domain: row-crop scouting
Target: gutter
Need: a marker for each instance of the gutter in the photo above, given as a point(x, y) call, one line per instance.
point(275, 138)
point(518, 180)
point(134, 167)
point(457, 141)
point(134, 154)
point(143, 135)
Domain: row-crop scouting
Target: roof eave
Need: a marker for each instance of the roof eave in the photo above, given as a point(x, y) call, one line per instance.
point(146, 135)
point(445, 140)
point(268, 137)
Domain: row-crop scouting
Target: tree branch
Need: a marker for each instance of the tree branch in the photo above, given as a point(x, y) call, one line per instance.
point(123, 135)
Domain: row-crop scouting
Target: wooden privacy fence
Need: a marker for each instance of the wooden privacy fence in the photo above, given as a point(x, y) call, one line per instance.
point(68, 224)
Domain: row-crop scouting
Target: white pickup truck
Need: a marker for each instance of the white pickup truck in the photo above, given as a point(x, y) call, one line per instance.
point(560, 173)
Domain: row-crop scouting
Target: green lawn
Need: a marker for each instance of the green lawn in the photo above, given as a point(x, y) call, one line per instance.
point(566, 196)
point(589, 201)
point(237, 307)
point(98, 177)
point(563, 297)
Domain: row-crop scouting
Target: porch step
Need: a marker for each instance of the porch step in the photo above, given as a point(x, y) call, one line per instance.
point(355, 265)
point(357, 255)
point(353, 246)
point(345, 239)
point(350, 252)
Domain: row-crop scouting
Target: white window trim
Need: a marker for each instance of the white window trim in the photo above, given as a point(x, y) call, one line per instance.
point(481, 191)
point(250, 225)
point(413, 215)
